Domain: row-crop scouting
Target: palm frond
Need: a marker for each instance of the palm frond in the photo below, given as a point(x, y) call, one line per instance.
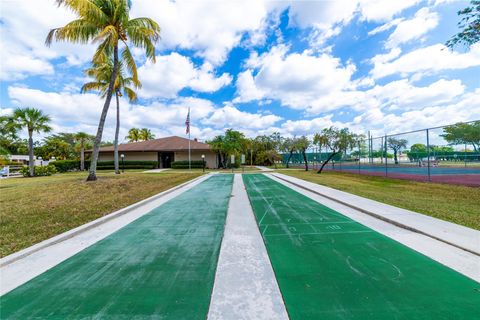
point(109, 33)
point(88, 9)
point(79, 30)
point(132, 95)
point(92, 86)
point(127, 58)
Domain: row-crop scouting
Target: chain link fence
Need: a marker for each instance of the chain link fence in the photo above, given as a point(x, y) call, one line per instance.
point(446, 154)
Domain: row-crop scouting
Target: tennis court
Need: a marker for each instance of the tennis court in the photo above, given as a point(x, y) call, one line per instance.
point(331, 267)
point(469, 176)
point(161, 266)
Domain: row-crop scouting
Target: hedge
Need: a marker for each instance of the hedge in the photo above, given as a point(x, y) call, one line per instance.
point(74, 165)
point(195, 164)
point(66, 165)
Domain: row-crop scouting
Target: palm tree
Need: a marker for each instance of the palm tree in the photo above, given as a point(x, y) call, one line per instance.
point(82, 138)
point(107, 22)
point(35, 121)
point(133, 135)
point(146, 134)
point(102, 73)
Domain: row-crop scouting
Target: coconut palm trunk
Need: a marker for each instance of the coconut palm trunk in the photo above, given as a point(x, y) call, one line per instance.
point(31, 163)
point(82, 156)
point(115, 143)
point(92, 176)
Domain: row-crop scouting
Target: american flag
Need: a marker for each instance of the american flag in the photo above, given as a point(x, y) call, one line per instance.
point(187, 122)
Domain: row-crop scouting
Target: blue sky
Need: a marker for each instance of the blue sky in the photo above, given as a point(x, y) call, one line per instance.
point(257, 66)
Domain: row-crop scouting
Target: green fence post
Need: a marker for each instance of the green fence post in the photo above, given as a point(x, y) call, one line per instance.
point(428, 155)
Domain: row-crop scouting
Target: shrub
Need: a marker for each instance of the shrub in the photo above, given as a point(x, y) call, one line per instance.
point(66, 165)
point(39, 171)
point(195, 164)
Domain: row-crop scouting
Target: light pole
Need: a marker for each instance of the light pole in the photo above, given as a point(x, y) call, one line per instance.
point(123, 163)
point(203, 160)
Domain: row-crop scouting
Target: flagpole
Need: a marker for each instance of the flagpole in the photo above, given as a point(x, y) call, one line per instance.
point(189, 152)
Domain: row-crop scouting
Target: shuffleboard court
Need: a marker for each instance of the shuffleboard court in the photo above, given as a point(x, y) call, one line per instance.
point(331, 267)
point(161, 266)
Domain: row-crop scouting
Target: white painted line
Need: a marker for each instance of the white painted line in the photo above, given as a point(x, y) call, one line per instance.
point(263, 168)
point(245, 284)
point(33, 261)
point(462, 237)
point(457, 259)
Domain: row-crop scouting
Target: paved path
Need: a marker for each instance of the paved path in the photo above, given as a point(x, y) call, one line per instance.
point(263, 168)
point(160, 266)
point(245, 285)
point(331, 267)
point(155, 170)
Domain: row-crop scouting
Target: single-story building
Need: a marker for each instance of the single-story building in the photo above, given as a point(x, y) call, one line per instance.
point(164, 150)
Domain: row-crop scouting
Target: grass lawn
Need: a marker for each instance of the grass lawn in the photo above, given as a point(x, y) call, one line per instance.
point(456, 204)
point(35, 209)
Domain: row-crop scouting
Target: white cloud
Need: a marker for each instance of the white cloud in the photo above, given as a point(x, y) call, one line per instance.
point(386, 26)
point(402, 94)
point(413, 29)
point(211, 28)
point(298, 80)
point(430, 59)
point(25, 25)
point(467, 108)
point(246, 88)
point(381, 10)
point(381, 122)
point(229, 116)
point(174, 72)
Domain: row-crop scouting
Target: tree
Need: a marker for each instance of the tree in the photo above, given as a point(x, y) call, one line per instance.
point(265, 148)
point(55, 147)
point(107, 22)
point(289, 146)
point(146, 134)
point(337, 140)
point(470, 25)
point(302, 145)
point(82, 139)
point(463, 133)
point(123, 85)
point(396, 145)
point(232, 143)
point(8, 135)
point(35, 121)
point(217, 145)
point(133, 135)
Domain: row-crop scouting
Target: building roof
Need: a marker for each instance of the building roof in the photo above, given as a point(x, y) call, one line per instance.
point(173, 143)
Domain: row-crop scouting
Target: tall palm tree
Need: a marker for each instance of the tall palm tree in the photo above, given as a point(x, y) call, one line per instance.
point(35, 121)
point(82, 138)
point(108, 23)
point(133, 135)
point(101, 73)
point(146, 134)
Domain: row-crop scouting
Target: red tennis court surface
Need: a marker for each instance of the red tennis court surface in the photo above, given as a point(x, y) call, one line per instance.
point(469, 176)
